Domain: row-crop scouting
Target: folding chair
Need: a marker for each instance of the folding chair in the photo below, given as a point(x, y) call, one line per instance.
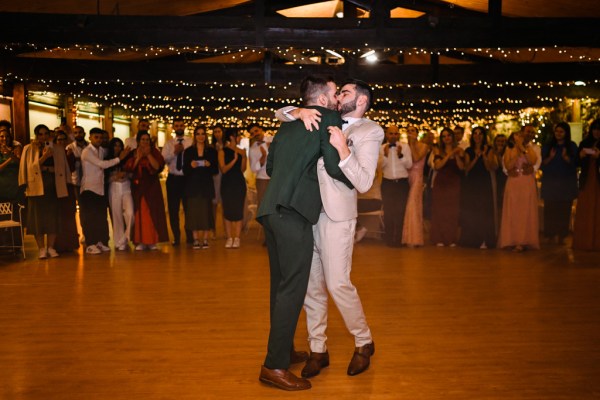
point(7, 222)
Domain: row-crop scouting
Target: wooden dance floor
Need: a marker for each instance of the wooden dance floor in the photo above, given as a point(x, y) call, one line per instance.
point(448, 323)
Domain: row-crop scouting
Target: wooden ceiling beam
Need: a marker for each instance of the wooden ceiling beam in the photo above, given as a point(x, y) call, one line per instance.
point(63, 30)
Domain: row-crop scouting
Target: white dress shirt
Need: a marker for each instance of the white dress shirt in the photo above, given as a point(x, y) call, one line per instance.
point(93, 165)
point(393, 166)
point(77, 150)
point(168, 153)
point(255, 156)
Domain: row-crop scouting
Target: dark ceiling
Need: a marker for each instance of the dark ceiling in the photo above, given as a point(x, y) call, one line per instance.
point(161, 57)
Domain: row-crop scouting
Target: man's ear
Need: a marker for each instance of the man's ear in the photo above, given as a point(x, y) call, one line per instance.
point(362, 100)
point(322, 100)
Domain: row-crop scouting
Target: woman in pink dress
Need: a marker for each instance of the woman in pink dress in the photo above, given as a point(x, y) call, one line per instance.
point(519, 228)
point(412, 232)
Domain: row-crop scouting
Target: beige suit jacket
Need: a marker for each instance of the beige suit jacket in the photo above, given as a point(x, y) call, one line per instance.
point(364, 139)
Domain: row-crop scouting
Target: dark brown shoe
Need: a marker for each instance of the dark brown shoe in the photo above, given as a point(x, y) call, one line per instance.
point(283, 379)
point(315, 363)
point(361, 359)
point(297, 357)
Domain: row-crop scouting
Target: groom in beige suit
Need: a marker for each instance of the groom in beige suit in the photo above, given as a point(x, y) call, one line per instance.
point(358, 144)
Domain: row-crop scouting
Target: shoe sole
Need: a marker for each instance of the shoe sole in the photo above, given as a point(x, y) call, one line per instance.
point(288, 388)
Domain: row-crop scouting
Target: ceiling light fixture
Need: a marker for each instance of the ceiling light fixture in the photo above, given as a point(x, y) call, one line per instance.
point(333, 53)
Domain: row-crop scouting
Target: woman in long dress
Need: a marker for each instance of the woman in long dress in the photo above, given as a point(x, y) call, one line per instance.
point(499, 177)
point(477, 228)
point(586, 234)
point(68, 239)
point(218, 133)
point(559, 182)
point(232, 163)
point(150, 226)
point(448, 163)
point(412, 231)
point(519, 228)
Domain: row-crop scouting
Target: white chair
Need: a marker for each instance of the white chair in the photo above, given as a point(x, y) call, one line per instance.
point(373, 221)
point(7, 222)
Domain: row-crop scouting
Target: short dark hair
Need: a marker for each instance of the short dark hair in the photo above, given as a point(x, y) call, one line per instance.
point(312, 86)
point(254, 125)
point(96, 130)
point(178, 119)
point(38, 128)
point(6, 124)
point(362, 89)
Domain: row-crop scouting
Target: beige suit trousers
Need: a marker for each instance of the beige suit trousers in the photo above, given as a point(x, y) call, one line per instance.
point(330, 271)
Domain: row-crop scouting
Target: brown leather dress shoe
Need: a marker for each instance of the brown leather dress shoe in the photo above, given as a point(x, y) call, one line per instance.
point(298, 356)
point(315, 363)
point(283, 379)
point(361, 359)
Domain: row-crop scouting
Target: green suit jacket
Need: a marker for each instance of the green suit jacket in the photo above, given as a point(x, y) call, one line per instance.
point(292, 166)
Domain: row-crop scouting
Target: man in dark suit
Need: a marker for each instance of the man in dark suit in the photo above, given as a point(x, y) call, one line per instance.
point(291, 205)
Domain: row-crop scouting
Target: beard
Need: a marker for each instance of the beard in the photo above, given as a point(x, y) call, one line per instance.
point(179, 132)
point(347, 108)
point(332, 105)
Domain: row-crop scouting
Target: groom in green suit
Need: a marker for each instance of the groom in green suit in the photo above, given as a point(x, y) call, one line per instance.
point(291, 205)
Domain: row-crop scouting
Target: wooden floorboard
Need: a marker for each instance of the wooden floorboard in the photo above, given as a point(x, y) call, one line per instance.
point(448, 323)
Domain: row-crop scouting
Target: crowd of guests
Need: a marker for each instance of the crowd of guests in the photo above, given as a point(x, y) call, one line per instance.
point(480, 192)
point(483, 192)
point(57, 172)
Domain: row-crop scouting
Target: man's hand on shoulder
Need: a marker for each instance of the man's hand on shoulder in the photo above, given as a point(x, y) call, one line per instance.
point(309, 116)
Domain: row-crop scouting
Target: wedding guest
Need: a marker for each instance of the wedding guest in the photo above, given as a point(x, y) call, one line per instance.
point(93, 192)
point(150, 226)
point(586, 233)
point(499, 177)
point(412, 233)
point(232, 163)
point(477, 228)
point(396, 160)
point(200, 164)
point(519, 227)
point(172, 152)
point(74, 150)
point(559, 182)
point(257, 158)
point(217, 144)
point(119, 197)
point(44, 171)
point(448, 163)
point(68, 238)
point(10, 156)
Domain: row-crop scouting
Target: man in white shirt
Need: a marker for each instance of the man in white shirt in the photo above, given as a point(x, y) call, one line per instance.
point(172, 152)
point(94, 219)
point(259, 150)
point(396, 160)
